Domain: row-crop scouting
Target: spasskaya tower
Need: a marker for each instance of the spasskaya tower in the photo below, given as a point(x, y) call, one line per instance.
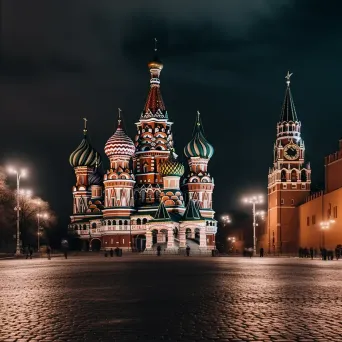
point(289, 180)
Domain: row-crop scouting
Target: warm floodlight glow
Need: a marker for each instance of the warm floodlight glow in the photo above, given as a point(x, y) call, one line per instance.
point(326, 224)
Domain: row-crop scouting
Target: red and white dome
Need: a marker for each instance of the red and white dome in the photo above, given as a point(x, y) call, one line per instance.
point(119, 144)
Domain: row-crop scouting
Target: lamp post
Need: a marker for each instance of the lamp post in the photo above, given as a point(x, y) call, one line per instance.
point(19, 174)
point(232, 240)
point(254, 200)
point(325, 225)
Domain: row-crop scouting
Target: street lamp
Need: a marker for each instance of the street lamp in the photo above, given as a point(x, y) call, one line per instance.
point(325, 225)
point(254, 200)
point(39, 216)
point(19, 174)
point(226, 220)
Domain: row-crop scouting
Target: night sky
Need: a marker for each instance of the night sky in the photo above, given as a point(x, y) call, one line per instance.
point(63, 60)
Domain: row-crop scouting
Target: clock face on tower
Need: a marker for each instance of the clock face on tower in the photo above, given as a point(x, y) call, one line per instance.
point(291, 151)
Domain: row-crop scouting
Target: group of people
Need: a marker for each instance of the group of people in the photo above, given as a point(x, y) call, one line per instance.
point(117, 251)
point(325, 253)
point(29, 252)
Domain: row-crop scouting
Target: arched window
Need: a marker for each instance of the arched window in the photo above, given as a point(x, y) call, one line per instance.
point(283, 176)
point(207, 223)
point(84, 227)
point(120, 222)
point(76, 226)
point(293, 176)
point(114, 222)
point(93, 225)
point(125, 222)
point(138, 221)
point(303, 176)
point(109, 223)
point(144, 221)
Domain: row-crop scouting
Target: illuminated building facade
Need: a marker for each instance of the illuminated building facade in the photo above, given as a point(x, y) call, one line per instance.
point(144, 199)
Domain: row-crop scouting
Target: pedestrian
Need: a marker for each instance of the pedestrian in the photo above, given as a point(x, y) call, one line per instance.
point(27, 252)
point(311, 253)
point(111, 252)
point(261, 252)
point(48, 251)
point(158, 250)
point(188, 250)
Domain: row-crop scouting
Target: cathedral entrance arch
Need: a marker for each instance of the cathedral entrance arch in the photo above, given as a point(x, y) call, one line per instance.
point(140, 242)
point(188, 233)
point(95, 245)
point(154, 236)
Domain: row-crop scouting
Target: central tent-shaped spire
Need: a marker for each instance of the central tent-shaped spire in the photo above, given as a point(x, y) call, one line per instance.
point(154, 107)
point(288, 111)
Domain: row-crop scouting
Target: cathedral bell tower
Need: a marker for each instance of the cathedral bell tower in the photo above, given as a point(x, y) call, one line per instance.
point(152, 141)
point(288, 180)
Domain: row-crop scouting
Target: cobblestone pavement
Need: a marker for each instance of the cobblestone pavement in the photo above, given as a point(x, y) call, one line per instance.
point(170, 298)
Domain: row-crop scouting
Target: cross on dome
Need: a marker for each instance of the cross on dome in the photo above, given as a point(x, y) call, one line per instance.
point(119, 119)
point(85, 126)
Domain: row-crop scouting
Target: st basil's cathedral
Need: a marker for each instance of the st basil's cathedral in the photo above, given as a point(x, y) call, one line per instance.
point(145, 199)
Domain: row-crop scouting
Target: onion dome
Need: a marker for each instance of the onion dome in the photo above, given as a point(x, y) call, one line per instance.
point(119, 143)
point(171, 167)
point(85, 154)
point(95, 178)
point(156, 63)
point(198, 146)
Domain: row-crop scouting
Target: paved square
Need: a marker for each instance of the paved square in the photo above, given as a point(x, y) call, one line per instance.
point(93, 298)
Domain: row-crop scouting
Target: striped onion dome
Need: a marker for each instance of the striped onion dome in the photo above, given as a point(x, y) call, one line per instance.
point(198, 146)
point(85, 154)
point(119, 143)
point(171, 167)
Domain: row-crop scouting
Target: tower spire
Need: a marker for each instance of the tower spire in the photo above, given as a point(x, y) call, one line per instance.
point(288, 111)
point(154, 106)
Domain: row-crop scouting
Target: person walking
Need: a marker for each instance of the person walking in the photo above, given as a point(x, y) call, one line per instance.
point(48, 251)
point(111, 252)
point(188, 250)
point(158, 250)
point(311, 253)
point(261, 252)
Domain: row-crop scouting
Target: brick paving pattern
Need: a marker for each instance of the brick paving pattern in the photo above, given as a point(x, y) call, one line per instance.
point(170, 299)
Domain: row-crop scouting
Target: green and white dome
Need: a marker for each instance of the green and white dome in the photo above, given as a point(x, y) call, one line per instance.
point(198, 146)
